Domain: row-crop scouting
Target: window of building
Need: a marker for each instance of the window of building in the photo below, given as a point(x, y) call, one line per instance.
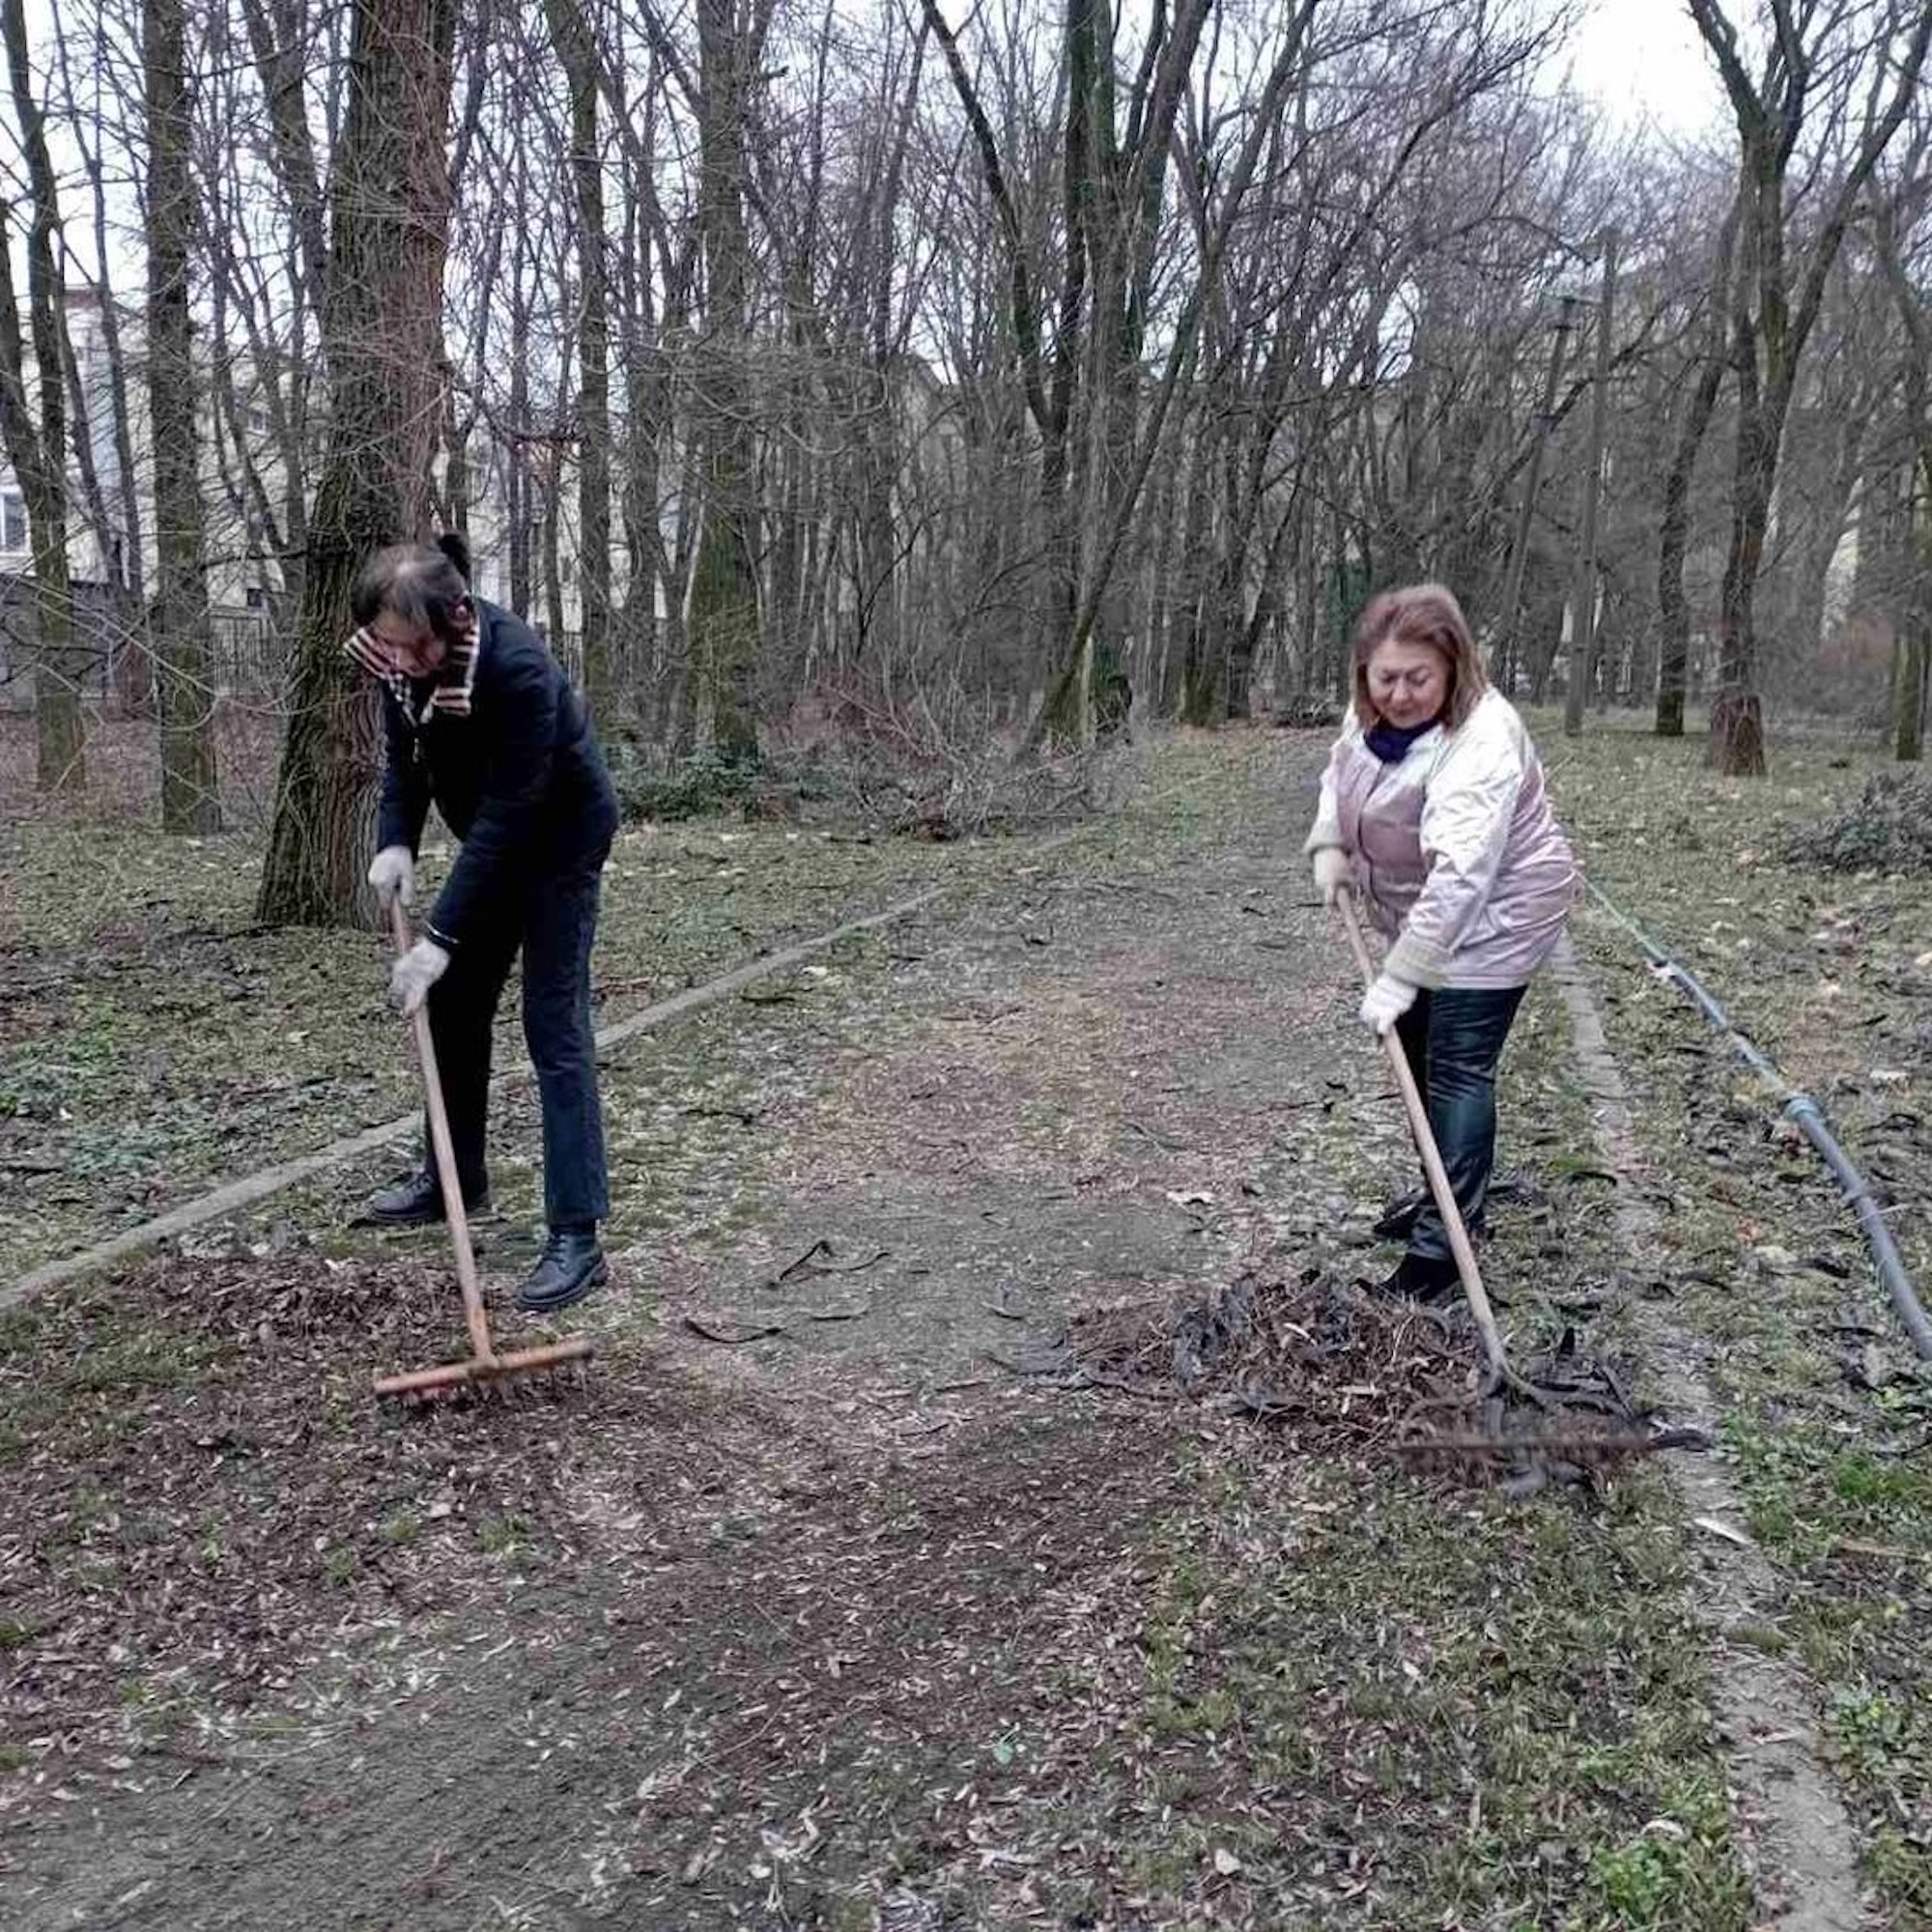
point(255, 597)
point(13, 520)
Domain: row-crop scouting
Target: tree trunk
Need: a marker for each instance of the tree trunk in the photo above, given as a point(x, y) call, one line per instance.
point(1736, 746)
point(191, 788)
point(1673, 608)
point(1913, 663)
point(1908, 693)
point(38, 448)
point(549, 547)
point(119, 527)
point(1180, 695)
point(576, 51)
point(724, 639)
point(517, 457)
point(382, 335)
point(1583, 628)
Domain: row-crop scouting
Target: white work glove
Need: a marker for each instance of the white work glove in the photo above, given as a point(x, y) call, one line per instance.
point(393, 873)
point(1333, 871)
point(415, 973)
point(1387, 1001)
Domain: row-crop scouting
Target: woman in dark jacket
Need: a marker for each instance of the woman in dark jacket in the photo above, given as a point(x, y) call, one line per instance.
point(482, 723)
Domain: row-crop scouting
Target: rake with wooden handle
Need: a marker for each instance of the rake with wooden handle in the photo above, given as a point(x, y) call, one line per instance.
point(484, 1364)
point(1500, 1371)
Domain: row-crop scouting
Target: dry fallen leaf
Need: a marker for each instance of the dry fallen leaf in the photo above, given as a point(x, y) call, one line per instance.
point(1722, 1529)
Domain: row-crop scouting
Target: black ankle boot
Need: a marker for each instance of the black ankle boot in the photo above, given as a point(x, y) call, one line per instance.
point(417, 1202)
point(572, 1265)
point(1423, 1278)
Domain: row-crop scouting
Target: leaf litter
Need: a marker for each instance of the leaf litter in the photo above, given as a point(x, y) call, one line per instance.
point(1349, 1370)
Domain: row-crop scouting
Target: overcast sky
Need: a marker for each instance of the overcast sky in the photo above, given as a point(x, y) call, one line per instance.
point(1645, 61)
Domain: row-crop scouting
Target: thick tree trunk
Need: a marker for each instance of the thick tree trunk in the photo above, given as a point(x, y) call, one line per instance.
point(191, 788)
point(1736, 746)
point(383, 331)
point(724, 631)
point(1914, 646)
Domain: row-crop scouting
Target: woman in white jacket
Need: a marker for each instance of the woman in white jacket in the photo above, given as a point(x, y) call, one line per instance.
point(1433, 810)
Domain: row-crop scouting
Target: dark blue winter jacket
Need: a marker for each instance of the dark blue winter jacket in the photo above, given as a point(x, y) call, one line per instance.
point(517, 776)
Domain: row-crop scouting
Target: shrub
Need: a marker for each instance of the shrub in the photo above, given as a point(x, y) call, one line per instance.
point(1889, 830)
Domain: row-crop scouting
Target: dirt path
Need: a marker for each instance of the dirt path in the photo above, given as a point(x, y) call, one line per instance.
point(761, 1634)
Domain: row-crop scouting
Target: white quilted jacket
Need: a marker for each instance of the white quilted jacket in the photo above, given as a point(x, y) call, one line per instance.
point(1457, 854)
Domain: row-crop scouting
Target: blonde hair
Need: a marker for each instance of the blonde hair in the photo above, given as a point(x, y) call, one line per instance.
point(1421, 613)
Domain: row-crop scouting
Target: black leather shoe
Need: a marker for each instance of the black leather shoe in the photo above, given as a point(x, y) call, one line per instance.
point(572, 1265)
point(1422, 1278)
point(417, 1203)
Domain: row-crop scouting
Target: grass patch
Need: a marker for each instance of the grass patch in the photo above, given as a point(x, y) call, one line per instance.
point(158, 1043)
point(1824, 1410)
point(1365, 1702)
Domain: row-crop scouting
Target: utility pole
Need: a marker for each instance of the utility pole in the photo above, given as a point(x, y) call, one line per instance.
point(1504, 655)
point(1583, 604)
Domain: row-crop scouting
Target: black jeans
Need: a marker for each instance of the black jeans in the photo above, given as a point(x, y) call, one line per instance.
point(554, 924)
point(1454, 1038)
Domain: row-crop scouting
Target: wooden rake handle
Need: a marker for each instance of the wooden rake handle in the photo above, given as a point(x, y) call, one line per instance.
point(1432, 1156)
point(444, 1152)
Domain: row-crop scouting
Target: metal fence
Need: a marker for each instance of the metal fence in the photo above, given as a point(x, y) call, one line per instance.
point(248, 656)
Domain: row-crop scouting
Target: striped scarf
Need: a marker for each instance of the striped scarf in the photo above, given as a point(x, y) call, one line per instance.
point(455, 677)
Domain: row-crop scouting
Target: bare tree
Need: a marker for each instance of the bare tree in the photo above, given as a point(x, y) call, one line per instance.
point(1675, 521)
point(576, 51)
point(1780, 282)
point(36, 442)
point(116, 520)
point(1899, 223)
point(383, 336)
point(724, 628)
point(190, 791)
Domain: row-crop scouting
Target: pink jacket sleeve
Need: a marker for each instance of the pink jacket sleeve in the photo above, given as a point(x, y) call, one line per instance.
point(1327, 831)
